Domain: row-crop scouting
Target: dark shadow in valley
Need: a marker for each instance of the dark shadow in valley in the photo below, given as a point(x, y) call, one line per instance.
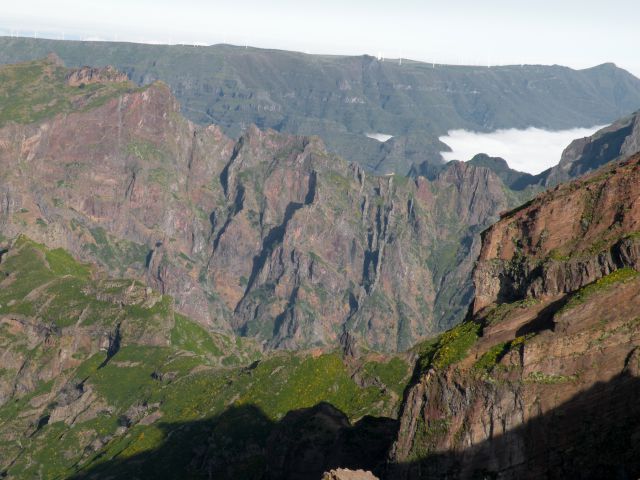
point(243, 443)
point(238, 205)
point(594, 435)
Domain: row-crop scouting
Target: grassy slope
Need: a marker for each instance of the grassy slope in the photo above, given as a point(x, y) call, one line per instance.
point(196, 378)
point(35, 90)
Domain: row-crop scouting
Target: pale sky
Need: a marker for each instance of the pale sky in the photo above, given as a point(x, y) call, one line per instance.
point(576, 33)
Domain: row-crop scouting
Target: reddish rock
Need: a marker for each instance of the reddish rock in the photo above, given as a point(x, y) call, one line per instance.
point(269, 236)
point(549, 388)
point(89, 75)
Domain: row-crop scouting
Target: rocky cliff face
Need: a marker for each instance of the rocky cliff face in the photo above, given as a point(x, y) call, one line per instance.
point(563, 239)
point(540, 381)
point(269, 236)
point(89, 75)
point(615, 142)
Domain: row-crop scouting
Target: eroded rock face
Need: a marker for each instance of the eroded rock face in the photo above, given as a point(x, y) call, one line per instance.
point(564, 239)
point(559, 404)
point(546, 387)
point(269, 236)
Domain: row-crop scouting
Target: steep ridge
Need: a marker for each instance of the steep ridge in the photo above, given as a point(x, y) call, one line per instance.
point(343, 98)
point(618, 141)
point(269, 236)
point(615, 142)
point(563, 239)
point(541, 380)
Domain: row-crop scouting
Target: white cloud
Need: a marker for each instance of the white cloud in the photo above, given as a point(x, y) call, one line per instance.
point(381, 137)
point(531, 150)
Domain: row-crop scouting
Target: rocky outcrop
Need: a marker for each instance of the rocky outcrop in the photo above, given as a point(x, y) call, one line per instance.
point(513, 179)
point(564, 239)
point(539, 382)
point(89, 75)
point(346, 474)
point(554, 402)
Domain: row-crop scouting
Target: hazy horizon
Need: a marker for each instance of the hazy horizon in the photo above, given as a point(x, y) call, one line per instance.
point(42, 36)
point(578, 34)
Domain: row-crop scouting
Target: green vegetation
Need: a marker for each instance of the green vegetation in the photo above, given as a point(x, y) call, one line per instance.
point(608, 281)
point(61, 263)
point(190, 336)
point(116, 254)
point(550, 379)
point(449, 347)
point(491, 357)
point(160, 176)
point(289, 381)
point(394, 374)
point(555, 254)
point(501, 311)
point(169, 380)
point(147, 151)
point(32, 91)
point(428, 432)
point(488, 361)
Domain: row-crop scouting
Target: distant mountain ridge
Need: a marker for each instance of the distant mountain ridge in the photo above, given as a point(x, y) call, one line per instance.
point(617, 141)
point(342, 98)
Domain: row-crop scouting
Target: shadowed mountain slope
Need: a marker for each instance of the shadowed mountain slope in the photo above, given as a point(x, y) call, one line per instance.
point(103, 375)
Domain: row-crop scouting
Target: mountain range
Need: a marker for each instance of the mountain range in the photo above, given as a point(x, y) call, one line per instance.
point(178, 302)
point(269, 236)
point(342, 99)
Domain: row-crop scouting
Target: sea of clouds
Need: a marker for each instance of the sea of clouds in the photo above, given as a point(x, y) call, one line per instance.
point(530, 150)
